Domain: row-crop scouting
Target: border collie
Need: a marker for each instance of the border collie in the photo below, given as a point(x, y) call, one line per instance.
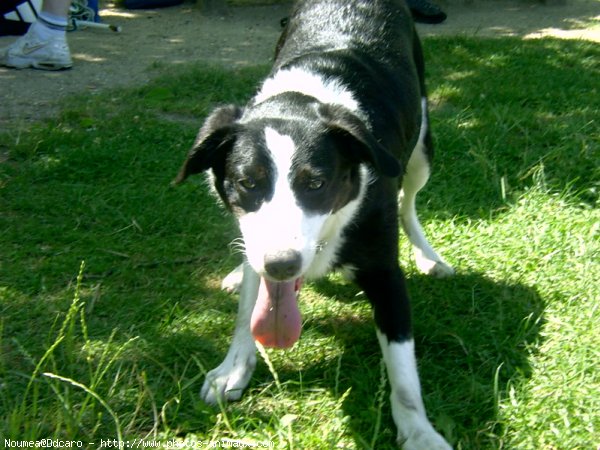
point(321, 169)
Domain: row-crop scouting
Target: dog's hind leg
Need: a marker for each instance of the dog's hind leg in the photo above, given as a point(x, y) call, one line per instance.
point(230, 378)
point(416, 176)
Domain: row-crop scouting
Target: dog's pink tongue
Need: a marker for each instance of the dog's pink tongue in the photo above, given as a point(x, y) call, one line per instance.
point(276, 319)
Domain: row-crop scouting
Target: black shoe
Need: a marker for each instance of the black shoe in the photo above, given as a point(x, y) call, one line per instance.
point(425, 12)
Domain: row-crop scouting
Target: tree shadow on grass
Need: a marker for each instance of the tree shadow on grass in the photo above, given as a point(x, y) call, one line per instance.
point(472, 338)
point(509, 113)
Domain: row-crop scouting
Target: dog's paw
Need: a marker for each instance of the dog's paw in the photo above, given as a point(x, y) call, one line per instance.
point(233, 281)
point(435, 268)
point(228, 381)
point(441, 270)
point(424, 440)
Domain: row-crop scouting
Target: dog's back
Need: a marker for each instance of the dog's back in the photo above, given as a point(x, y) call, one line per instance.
point(371, 46)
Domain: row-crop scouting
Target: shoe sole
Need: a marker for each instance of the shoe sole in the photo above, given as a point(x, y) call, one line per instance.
point(40, 66)
point(52, 67)
point(18, 62)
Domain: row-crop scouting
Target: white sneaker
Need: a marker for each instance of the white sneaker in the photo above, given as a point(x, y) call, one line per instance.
point(31, 51)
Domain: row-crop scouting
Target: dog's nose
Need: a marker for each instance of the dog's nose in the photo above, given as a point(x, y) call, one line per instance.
point(283, 265)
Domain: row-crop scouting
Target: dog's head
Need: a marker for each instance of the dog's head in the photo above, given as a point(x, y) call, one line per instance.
point(284, 175)
point(292, 171)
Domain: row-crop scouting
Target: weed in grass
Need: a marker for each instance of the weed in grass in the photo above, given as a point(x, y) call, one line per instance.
point(63, 354)
point(507, 348)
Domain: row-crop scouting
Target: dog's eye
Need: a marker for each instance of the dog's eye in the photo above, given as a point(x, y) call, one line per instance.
point(248, 184)
point(314, 184)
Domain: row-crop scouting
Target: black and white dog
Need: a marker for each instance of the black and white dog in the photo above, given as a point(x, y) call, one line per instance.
point(313, 168)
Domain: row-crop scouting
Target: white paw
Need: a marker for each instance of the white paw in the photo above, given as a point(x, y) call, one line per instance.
point(434, 268)
point(428, 439)
point(228, 381)
point(233, 281)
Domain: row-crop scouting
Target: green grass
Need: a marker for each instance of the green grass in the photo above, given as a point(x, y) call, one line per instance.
point(117, 348)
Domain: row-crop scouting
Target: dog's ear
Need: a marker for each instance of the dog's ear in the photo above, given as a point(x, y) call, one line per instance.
point(212, 143)
point(358, 139)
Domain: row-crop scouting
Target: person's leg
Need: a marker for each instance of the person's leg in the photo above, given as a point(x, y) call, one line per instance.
point(44, 46)
point(57, 7)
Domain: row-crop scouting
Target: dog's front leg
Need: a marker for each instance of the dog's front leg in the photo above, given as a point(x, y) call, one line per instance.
point(230, 378)
point(387, 292)
point(415, 432)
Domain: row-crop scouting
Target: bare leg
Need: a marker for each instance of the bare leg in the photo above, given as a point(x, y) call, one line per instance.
point(57, 7)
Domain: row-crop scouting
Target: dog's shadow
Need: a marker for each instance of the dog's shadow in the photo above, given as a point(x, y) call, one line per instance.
point(472, 335)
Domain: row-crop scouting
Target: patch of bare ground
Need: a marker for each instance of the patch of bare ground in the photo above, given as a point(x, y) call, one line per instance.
point(153, 39)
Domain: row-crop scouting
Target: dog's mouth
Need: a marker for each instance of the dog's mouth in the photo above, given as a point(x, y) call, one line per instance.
point(276, 320)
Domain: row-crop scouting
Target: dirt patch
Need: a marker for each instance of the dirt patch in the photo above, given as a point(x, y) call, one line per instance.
point(151, 39)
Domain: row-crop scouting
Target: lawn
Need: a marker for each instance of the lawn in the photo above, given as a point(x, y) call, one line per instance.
point(110, 308)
